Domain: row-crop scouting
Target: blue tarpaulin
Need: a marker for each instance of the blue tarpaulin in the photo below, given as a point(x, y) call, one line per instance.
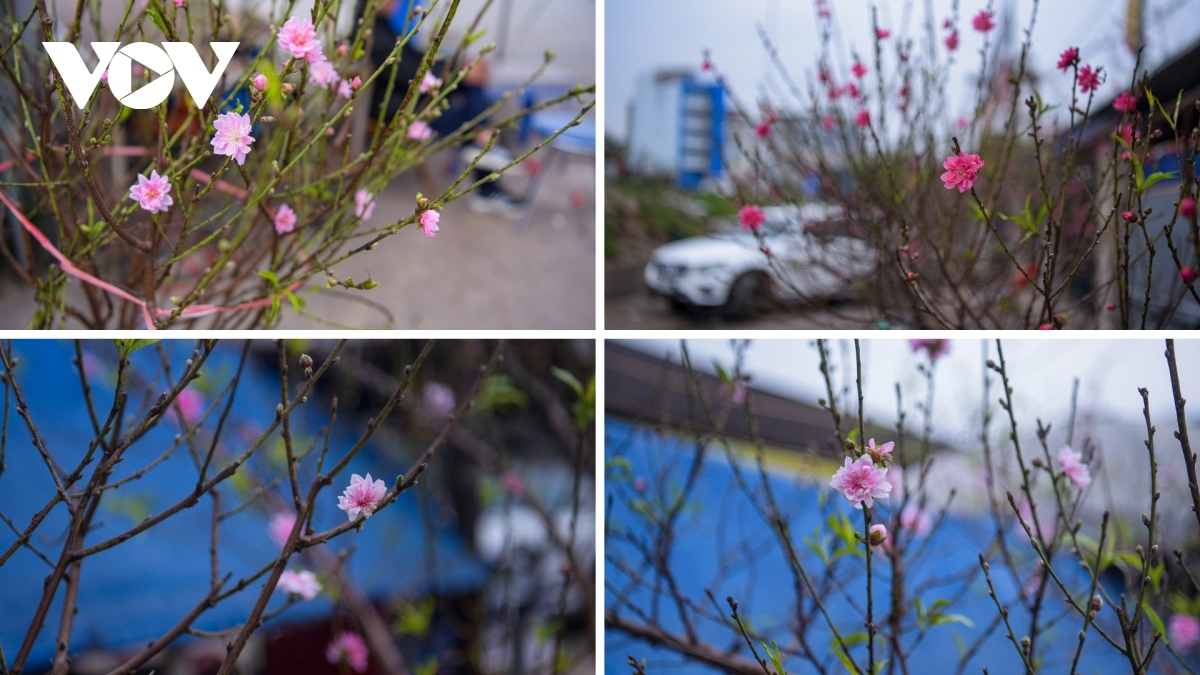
point(135, 591)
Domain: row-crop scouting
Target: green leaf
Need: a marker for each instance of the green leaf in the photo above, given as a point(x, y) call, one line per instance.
point(269, 276)
point(1154, 178)
point(126, 348)
point(412, 619)
point(775, 656)
point(1156, 621)
point(567, 378)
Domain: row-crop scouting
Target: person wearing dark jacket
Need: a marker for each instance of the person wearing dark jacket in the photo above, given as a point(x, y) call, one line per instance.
point(395, 19)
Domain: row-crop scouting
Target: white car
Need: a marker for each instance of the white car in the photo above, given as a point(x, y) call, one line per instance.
point(729, 270)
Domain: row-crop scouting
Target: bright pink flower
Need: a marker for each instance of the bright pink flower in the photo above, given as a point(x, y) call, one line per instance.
point(285, 219)
point(151, 193)
point(342, 50)
point(880, 453)
point(1073, 466)
point(881, 34)
point(861, 482)
point(1068, 58)
point(1129, 216)
point(858, 69)
point(419, 131)
point(751, 217)
point(104, 76)
point(345, 90)
point(961, 171)
point(852, 90)
point(1125, 102)
point(1187, 207)
point(260, 82)
point(1110, 307)
point(1045, 326)
point(763, 129)
point(190, 403)
point(877, 535)
point(178, 3)
point(1188, 275)
point(983, 21)
point(350, 646)
point(916, 520)
point(1184, 631)
point(322, 73)
point(431, 82)
point(362, 496)
point(232, 137)
point(1089, 79)
point(952, 41)
point(356, 82)
point(827, 122)
point(364, 204)
point(935, 348)
point(299, 37)
point(862, 118)
point(429, 222)
point(281, 527)
point(303, 584)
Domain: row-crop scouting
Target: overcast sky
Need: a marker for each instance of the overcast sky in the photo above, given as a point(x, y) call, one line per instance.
point(1109, 371)
point(646, 35)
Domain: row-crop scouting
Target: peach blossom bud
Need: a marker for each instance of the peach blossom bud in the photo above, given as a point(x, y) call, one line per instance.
point(342, 49)
point(286, 88)
point(260, 82)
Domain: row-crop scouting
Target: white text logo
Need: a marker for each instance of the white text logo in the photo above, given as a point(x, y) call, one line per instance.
point(164, 61)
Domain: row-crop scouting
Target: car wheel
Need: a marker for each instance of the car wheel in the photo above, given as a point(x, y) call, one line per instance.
point(750, 296)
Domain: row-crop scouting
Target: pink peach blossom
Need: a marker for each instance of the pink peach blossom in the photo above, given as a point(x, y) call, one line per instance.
point(285, 219)
point(858, 69)
point(751, 217)
point(438, 400)
point(934, 347)
point(299, 37)
point(303, 584)
point(232, 137)
point(1184, 631)
point(880, 453)
point(1074, 468)
point(983, 21)
point(322, 73)
point(1187, 207)
point(104, 76)
point(281, 527)
point(190, 404)
point(178, 3)
point(419, 131)
point(362, 496)
point(881, 34)
point(861, 482)
point(1089, 79)
point(429, 222)
point(345, 90)
point(862, 118)
point(916, 520)
point(878, 534)
point(763, 130)
point(1125, 102)
point(952, 41)
point(961, 171)
point(364, 204)
point(431, 82)
point(151, 193)
point(827, 123)
point(260, 82)
point(1188, 275)
point(1069, 57)
point(350, 646)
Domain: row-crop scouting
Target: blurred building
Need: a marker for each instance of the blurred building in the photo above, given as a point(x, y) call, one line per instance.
point(677, 127)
